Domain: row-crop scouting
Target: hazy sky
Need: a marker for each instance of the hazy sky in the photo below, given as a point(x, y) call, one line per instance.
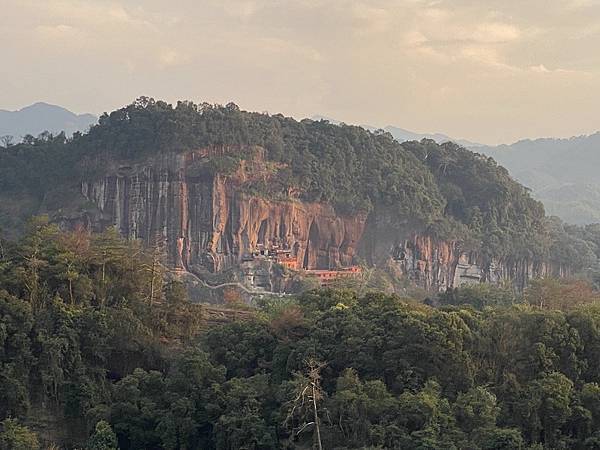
point(486, 70)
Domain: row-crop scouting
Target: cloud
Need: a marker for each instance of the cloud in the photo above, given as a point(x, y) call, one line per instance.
point(96, 14)
point(288, 48)
point(369, 19)
point(580, 4)
point(487, 56)
point(496, 32)
point(60, 31)
point(419, 63)
point(244, 9)
point(447, 37)
point(540, 69)
point(61, 38)
point(170, 57)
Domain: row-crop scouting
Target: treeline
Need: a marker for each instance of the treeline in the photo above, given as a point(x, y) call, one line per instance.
point(99, 350)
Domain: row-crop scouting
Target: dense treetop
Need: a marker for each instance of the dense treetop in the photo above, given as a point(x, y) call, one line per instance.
point(98, 351)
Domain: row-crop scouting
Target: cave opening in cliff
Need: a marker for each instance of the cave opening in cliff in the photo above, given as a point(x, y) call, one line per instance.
point(247, 251)
point(282, 231)
point(262, 233)
point(227, 245)
point(312, 245)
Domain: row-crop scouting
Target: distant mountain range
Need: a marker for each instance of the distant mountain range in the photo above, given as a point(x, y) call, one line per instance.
point(562, 173)
point(402, 135)
point(40, 117)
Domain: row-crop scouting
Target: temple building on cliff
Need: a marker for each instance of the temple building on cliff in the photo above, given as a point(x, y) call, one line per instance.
point(326, 277)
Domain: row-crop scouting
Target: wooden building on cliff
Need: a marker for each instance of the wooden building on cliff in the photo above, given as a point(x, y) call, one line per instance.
point(326, 277)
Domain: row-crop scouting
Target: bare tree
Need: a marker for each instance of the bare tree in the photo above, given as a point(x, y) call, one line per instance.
point(307, 399)
point(1, 245)
point(7, 141)
point(155, 268)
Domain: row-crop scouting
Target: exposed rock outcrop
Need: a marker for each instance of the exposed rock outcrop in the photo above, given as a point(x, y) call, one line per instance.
point(439, 265)
point(209, 223)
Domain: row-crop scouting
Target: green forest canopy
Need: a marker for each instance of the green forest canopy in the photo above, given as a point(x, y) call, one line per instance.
point(446, 190)
point(89, 356)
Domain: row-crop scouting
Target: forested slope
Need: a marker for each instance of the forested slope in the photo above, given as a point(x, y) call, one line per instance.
point(97, 349)
point(441, 190)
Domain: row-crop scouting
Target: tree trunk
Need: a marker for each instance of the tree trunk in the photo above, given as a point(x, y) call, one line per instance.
point(317, 427)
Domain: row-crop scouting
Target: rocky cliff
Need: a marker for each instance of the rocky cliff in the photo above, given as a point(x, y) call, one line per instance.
point(208, 222)
point(441, 264)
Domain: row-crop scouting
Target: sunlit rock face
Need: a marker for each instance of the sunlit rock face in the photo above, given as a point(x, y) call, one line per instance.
point(207, 222)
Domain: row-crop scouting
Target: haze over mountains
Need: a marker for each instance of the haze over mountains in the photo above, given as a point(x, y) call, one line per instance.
point(39, 117)
point(403, 135)
point(562, 173)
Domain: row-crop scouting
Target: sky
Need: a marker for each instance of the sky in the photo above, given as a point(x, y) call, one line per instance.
point(492, 71)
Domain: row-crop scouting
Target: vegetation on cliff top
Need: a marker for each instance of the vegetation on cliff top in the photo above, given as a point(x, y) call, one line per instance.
point(445, 190)
point(92, 355)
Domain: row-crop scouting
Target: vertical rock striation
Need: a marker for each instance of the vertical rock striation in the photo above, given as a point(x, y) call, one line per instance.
point(208, 223)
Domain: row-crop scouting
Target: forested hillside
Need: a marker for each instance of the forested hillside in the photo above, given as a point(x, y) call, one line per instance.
point(448, 191)
point(99, 349)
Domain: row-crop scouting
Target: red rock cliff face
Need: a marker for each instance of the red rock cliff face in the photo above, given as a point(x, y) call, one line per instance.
point(316, 236)
point(429, 263)
point(207, 222)
point(437, 264)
